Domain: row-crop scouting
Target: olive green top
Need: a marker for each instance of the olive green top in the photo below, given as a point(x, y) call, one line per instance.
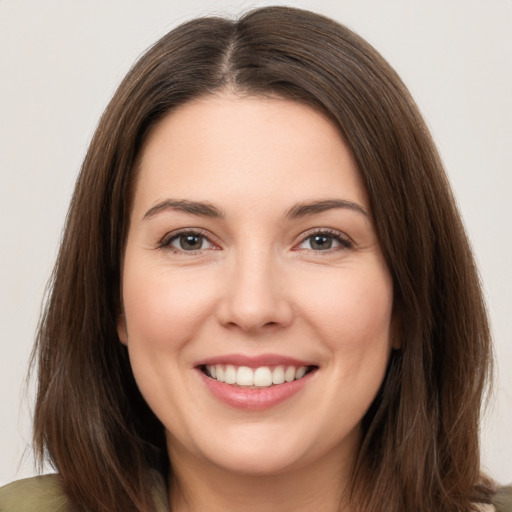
point(503, 499)
point(40, 493)
point(44, 494)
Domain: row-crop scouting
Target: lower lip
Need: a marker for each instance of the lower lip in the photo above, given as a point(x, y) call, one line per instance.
point(255, 399)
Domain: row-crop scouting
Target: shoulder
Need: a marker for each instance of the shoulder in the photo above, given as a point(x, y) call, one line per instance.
point(37, 494)
point(503, 499)
point(45, 494)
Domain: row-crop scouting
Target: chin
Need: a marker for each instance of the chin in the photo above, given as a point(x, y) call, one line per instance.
point(258, 462)
point(259, 450)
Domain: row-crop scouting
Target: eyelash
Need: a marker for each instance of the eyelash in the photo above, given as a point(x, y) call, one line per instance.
point(337, 236)
point(343, 240)
point(166, 241)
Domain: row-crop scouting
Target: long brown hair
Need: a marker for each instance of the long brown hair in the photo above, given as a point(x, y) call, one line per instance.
point(420, 448)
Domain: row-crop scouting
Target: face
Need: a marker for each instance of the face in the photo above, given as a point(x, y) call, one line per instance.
point(257, 307)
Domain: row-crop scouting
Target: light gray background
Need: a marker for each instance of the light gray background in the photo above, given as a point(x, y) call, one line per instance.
point(61, 60)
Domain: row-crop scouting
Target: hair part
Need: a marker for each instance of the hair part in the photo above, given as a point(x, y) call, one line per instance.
point(420, 447)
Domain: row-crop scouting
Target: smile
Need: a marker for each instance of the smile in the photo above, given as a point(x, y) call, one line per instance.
point(260, 377)
point(255, 383)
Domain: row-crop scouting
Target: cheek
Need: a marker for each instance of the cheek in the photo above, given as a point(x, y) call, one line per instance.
point(164, 308)
point(354, 323)
point(351, 310)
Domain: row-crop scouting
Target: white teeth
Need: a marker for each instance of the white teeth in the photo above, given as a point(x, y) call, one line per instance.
point(289, 374)
point(230, 374)
point(300, 372)
point(261, 377)
point(278, 375)
point(244, 376)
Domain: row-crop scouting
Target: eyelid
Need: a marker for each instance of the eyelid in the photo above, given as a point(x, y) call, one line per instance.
point(344, 240)
point(165, 241)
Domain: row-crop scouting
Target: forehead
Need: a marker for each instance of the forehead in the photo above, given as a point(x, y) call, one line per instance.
point(247, 149)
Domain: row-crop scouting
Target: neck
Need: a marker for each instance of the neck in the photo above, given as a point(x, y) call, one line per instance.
point(322, 485)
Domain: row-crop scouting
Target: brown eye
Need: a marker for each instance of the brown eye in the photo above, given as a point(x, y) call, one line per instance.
point(325, 241)
point(188, 242)
point(320, 242)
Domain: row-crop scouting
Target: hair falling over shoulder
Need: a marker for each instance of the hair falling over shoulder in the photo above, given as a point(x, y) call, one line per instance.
point(420, 447)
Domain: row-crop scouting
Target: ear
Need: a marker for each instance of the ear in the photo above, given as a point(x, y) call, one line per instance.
point(122, 331)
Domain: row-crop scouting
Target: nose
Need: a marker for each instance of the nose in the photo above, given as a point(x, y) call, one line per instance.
point(255, 296)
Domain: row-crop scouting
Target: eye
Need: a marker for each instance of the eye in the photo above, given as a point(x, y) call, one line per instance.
point(325, 241)
point(187, 241)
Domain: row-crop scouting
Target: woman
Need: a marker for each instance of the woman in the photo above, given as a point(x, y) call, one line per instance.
point(264, 297)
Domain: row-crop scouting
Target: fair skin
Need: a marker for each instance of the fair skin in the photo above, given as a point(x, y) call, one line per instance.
point(251, 244)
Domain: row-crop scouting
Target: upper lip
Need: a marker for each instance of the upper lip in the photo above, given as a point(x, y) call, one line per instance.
point(254, 361)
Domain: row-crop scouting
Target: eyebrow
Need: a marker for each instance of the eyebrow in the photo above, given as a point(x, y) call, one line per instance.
point(205, 209)
point(315, 207)
point(200, 208)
